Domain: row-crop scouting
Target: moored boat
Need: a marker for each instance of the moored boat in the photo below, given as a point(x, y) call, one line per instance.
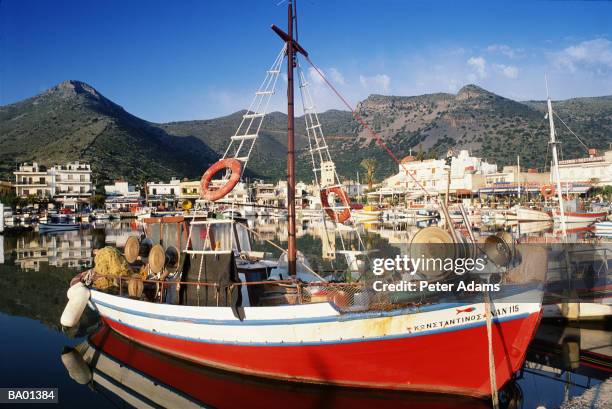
point(219, 304)
point(580, 216)
point(57, 226)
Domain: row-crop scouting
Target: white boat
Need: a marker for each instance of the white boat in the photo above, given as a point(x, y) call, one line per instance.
point(100, 215)
point(367, 214)
point(580, 216)
point(144, 213)
point(534, 227)
point(603, 227)
point(51, 226)
point(527, 214)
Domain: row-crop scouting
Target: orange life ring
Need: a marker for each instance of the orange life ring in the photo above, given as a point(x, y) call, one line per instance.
point(547, 191)
point(342, 216)
point(229, 163)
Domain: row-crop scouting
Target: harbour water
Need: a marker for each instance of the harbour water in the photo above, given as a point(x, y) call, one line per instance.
point(562, 362)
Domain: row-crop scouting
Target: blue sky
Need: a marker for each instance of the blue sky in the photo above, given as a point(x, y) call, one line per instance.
point(179, 60)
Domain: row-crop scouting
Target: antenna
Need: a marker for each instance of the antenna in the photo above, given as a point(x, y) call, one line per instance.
point(546, 82)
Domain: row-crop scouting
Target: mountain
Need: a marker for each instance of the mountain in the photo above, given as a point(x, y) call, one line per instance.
point(73, 121)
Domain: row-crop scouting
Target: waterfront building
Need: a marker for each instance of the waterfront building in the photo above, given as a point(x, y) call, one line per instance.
point(511, 181)
point(121, 188)
point(163, 194)
point(467, 174)
point(121, 196)
point(32, 179)
point(73, 184)
point(595, 170)
point(353, 189)
point(70, 184)
point(189, 190)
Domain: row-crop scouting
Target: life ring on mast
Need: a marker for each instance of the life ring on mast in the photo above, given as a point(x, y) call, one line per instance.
point(212, 195)
point(338, 216)
point(547, 191)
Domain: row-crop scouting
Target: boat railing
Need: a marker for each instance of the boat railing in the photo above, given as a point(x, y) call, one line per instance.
point(346, 296)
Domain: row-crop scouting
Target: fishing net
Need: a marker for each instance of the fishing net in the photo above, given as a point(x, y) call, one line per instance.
point(109, 264)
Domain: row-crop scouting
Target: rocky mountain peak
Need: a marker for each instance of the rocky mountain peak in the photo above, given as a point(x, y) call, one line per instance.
point(472, 91)
point(72, 88)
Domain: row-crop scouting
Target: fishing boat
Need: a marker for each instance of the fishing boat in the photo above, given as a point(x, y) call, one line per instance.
point(221, 305)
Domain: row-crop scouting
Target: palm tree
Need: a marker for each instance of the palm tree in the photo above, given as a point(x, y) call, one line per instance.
point(370, 167)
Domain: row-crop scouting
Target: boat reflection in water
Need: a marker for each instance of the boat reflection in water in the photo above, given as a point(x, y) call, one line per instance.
point(142, 377)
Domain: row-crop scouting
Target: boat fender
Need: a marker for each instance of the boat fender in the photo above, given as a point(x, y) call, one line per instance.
point(78, 298)
point(228, 163)
point(76, 366)
point(338, 216)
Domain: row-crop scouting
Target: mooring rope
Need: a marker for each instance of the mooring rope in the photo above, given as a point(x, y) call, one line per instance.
point(492, 374)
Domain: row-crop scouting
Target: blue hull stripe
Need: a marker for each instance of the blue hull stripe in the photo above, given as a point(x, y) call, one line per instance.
point(310, 320)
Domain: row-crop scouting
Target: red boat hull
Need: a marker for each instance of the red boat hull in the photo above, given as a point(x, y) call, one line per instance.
point(453, 362)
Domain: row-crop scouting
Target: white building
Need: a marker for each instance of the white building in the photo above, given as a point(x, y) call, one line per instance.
point(32, 179)
point(467, 174)
point(121, 196)
point(121, 188)
point(163, 193)
point(353, 189)
point(71, 183)
point(596, 169)
point(328, 174)
point(171, 188)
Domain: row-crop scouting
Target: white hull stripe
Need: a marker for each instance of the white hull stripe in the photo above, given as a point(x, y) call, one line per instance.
point(191, 314)
point(247, 322)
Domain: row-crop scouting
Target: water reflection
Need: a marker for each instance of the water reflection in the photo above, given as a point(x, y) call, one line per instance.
point(561, 362)
point(71, 249)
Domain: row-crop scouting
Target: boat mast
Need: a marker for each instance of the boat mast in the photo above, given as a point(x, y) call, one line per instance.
point(518, 177)
point(553, 143)
point(292, 48)
point(291, 249)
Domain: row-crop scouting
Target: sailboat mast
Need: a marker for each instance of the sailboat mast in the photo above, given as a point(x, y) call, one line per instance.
point(553, 143)
point(518, 176)
point(291, 247)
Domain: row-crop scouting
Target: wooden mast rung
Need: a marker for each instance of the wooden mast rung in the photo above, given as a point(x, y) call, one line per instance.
point(243, 137)
point(254, 115)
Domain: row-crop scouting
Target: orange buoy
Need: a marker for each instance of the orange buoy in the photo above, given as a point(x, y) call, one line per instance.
point(229, 163)
point(338, 216)
point(547, 191)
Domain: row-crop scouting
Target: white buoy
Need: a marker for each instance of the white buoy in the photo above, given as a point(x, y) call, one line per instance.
point(76, 366)
point(78, 296)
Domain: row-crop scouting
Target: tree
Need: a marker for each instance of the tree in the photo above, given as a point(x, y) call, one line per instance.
point(370, 167)
point(97, 201)
point(420, 155)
